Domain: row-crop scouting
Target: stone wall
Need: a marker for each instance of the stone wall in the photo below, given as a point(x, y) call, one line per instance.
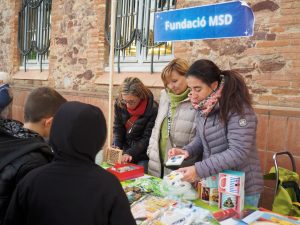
point(5, 32)
point(269, 60)
point(77, 50)
point(8, 37)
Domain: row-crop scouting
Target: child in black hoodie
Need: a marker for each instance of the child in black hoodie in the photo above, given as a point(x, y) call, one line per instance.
point(72, 189)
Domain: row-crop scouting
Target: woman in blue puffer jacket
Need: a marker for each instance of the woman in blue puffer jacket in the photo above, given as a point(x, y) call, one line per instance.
point(226, 129)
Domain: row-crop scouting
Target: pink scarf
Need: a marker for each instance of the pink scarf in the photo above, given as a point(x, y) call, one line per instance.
point(207, 104)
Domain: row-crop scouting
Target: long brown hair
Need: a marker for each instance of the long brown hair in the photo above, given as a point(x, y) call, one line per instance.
point(235, 94)
point(133, 86)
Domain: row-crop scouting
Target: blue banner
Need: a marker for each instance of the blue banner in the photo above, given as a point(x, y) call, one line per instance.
point(223, 20)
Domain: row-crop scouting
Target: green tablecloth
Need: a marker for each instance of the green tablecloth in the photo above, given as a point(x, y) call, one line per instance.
point(197, 202)
point(153, 186)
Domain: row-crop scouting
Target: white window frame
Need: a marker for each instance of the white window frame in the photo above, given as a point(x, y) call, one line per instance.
point(141, 63)
point(34, 64)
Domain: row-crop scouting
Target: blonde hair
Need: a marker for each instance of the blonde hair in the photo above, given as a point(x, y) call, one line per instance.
point(179, 65)
point(133, 86)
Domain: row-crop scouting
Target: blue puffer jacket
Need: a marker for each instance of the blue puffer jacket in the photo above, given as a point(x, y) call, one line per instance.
point(228, 147)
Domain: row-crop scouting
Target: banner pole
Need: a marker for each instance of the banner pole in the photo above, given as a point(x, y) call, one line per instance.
point(111, 70)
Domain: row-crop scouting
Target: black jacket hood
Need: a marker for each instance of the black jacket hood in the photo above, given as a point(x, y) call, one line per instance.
point(78, 131)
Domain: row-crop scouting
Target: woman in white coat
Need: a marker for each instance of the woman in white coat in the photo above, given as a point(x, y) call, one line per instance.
point(175, 122)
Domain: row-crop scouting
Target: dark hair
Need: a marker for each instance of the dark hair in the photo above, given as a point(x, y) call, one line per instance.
point(133, 86)
point(41, 103)
point(179, 65)
point(235, 94)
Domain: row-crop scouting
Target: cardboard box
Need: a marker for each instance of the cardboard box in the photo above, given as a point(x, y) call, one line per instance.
point(231, 190)
point(208, 190)
point(126, 171)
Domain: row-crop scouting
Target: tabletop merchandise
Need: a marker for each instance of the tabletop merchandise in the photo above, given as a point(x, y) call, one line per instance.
point(126, 171)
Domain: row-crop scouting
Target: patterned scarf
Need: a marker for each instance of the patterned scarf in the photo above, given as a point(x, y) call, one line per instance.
point(206, 105)
point(15, 128)
point(136, 113)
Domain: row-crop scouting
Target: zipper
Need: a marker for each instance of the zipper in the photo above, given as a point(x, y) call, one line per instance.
point(172, 128)
point(204, 136)
point(159, 153)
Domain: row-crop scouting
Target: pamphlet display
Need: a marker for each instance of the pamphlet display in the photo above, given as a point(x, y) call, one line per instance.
point(172, 185)
point(175, 160)
point(149, 207)
point(162, 202)
point(253, 217)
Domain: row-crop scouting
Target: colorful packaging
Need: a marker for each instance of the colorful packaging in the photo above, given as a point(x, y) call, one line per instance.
point(212, 181)
point(213, 196)
point(208, 190)
point(172, 185)
point(231, 190)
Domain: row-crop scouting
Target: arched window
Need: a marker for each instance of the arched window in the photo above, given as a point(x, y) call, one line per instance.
point(34, 33)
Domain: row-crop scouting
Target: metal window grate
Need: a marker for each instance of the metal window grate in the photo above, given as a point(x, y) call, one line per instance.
point(34, 32)
point(134, 37)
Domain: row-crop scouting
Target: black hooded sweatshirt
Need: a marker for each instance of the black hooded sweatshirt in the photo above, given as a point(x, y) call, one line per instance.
point(72, 189)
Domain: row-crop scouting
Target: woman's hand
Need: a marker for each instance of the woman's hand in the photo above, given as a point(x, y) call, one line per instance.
point(178, 151)
point(126, 158)
point(189, 173)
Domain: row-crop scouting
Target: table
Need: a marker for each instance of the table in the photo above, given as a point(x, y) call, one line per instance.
point(151, 186)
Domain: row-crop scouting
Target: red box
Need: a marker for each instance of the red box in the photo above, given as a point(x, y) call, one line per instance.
point(126, 171)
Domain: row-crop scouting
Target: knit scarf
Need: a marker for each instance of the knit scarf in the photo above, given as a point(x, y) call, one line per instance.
point(176, 99)
point(206, 105)
point(174, 102)
point(15, 129)
point(136, 113)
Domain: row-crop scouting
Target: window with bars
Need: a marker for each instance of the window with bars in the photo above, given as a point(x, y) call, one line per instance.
point(34, 33)
point(134, 37)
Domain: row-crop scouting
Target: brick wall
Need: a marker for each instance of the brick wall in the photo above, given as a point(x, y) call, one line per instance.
point(269, 60)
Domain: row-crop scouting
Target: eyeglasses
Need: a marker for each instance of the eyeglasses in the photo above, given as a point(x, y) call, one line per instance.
point(129, 102)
